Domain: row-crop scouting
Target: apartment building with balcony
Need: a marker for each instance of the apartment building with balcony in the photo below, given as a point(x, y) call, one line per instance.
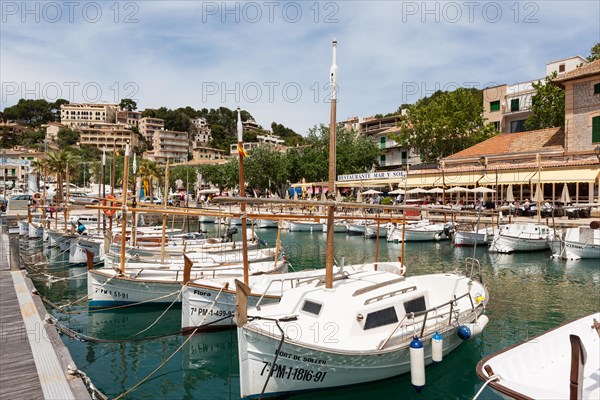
point(107, 136)
point(148, 126)
point(15, 167)
point(393, 155)
point(80, 115)
point(128, 118)
point(202, 132)
point(207, 153)
point(169, 145)
point(508, 106)
point(263, 140)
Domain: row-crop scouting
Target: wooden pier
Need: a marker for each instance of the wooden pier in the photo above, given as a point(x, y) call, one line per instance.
point(33, 358)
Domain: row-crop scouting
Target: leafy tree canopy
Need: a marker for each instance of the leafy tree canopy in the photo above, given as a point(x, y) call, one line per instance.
point(444, 123)
point(594, 53)
point(34, 112)
point(128, 105)
point(547, 105)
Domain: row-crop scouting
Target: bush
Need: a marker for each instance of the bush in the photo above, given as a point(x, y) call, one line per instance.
point(386, 201)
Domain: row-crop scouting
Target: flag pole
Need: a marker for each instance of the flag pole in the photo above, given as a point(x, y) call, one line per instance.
point(332, 147)
point(241, 154)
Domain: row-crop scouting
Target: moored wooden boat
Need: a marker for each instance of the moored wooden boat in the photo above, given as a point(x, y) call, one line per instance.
point(561, 363)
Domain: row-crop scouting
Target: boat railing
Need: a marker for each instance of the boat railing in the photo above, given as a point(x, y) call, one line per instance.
point(297, 281)
point(426, 316)
point(474, 267)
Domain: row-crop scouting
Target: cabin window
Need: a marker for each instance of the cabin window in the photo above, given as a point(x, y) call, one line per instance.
point(415, 305)
point(311, 307)
point(383, 317)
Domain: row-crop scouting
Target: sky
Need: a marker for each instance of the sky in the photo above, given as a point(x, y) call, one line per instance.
point(272, 58)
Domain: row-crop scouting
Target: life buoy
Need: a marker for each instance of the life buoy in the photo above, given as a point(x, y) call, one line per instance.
point(37, 197)
point(108, 199)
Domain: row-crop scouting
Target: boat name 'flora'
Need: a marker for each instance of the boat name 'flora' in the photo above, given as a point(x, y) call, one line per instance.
point(199, 293)
point(300, 358)
point(297, 374)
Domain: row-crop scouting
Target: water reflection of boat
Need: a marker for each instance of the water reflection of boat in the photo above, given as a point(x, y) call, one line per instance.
point(125, 324)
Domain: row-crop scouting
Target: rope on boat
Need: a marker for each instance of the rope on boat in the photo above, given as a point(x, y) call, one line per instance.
point(94, 392)
point(490, 379)
point(175, 352)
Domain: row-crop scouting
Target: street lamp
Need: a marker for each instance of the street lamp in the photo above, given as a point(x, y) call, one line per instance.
point(483, 161)
point(597, 152)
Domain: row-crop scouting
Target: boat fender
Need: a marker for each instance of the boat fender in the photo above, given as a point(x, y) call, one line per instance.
point(438, 236)
point(464, 332)
point(477, 327)
point(437, 343)
point(417, 364)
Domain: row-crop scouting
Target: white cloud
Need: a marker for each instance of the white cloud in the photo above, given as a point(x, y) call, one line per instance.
point(389, 52)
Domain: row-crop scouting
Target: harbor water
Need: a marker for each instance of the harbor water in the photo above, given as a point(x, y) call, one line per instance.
point(529, 293)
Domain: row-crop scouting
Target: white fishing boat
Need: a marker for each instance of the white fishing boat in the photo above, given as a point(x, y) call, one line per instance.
point(267, 223)
point(356, 227)
point(365, 325)
point(340, 226)
point(208, 302)
point(520, 237)
point(23, 227)
point(150, 285)
point(371, 231)
point(35, 229)
point(305, 226)
point(81, 244)
point(576, 243)
point(421, 231)
point(198, 258)
point(362, 327)
point(562, 363)
point(469, 236)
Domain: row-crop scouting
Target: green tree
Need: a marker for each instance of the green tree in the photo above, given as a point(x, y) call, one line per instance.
point(594, 53)
point(59, 162)
point(223, 176)
point(355, 153)
point(547, 105)
point(33, 138)
point(128, 105)
point(267, 168)
point(445, 123)
point(30, 112)
point(150, 171)
point(55, 108)
point(66, 137)
point(290, 137)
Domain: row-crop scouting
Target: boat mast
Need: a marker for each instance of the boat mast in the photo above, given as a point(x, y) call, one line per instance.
point(124, 208)
point(241, 154)
point(333, 72)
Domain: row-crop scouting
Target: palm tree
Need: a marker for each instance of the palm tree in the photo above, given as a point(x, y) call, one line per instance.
point(148, 171)
point(38, 167)
point(58, 162)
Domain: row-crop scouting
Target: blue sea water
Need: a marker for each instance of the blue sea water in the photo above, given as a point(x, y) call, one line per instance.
point(528, 294)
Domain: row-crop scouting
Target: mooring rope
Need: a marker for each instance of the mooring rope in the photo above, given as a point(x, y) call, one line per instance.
point(93, 390)
point(161, 315)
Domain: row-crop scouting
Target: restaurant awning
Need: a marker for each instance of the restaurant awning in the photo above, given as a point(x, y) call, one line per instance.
point(587, 174)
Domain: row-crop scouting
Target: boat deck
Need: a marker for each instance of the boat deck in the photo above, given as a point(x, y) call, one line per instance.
point(33, 359)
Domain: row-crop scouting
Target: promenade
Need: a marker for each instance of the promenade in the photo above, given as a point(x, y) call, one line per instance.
point(33, 358)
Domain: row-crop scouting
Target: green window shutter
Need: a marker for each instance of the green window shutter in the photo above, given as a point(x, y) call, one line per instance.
point(597, 88)
point(494, 105)
point(596, 130)
point(514, 105)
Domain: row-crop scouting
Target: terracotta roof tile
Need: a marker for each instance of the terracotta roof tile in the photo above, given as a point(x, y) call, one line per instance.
point(588, 69)
point(522, 142)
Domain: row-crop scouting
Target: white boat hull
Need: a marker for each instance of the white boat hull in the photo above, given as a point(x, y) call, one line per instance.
point(78, 247)
point(106, 289)
point(267, 223)
point(371, 231)
point(296, 226)
point(23, 228)
point(509, 244)
point(35, 231)
point(538, 368)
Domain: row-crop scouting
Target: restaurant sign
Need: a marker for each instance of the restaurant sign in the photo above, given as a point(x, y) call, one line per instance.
point(372, 175)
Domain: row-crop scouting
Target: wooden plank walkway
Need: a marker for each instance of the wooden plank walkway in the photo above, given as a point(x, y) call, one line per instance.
point(32, 357)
